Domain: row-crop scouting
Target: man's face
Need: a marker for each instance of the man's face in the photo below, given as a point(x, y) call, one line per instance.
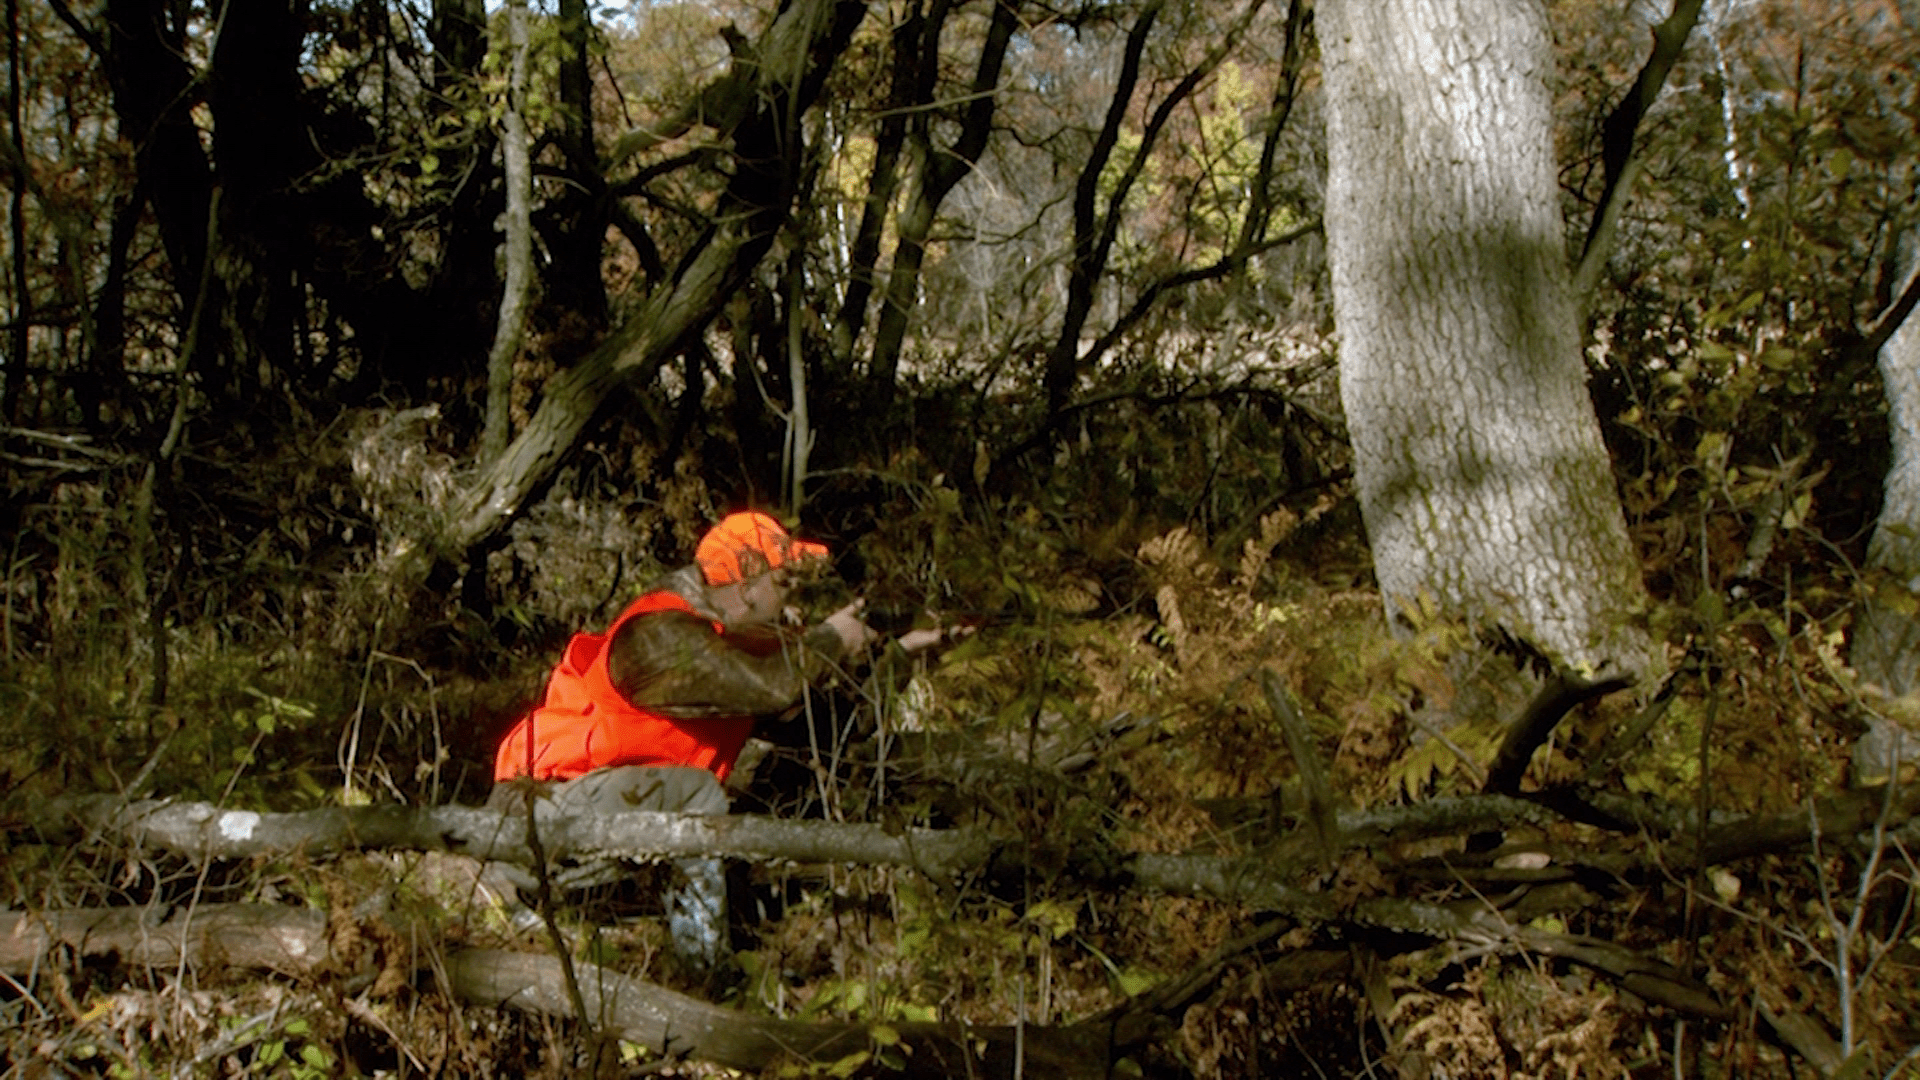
point(761, 598)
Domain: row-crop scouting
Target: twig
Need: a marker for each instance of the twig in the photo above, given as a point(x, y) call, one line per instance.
point(1427, 728)
point(27, 994)
point(1908, 1058)
point(1890, 320)
point(1616, 749)
point(543, 893)
point(76, 444)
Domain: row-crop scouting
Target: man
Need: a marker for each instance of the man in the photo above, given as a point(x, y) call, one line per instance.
point(652, 714)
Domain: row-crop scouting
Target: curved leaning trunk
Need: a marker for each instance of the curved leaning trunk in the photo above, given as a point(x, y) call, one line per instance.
point(786, 74)
point(1485, 486)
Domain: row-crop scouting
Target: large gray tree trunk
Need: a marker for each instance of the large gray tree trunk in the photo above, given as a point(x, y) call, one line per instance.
point(1886, 638)
point(1483, 480)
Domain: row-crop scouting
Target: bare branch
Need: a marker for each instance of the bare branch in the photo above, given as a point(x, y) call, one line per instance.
point(1891, 319)
point(1559, 695)
point(1617, 139)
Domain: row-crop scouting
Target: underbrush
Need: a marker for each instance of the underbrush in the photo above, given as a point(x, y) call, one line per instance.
point(1112, 699)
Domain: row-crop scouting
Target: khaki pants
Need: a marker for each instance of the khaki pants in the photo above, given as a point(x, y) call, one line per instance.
point(696, 910)
point(670, 789)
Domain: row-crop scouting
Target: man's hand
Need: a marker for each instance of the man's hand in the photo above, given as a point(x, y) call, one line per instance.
point(917, 640)
point(855, 635)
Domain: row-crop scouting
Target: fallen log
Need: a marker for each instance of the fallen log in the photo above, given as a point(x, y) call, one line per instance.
point(675, 1025)
point(290, 941)
point(201, 831)
point(299, 942)
point(205, 831)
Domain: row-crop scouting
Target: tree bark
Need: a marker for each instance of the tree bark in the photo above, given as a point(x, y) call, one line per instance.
point(518, 243)
point(202, 831)
point(580, 213)
point(1483, 481)
point(20, 338)
point(1886, 640)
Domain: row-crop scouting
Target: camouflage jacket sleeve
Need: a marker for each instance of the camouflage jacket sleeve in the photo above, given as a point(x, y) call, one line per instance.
point(677, 664)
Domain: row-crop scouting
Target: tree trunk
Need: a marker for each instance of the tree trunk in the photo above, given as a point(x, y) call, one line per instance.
point(518, 242)
point(153, 94)
point(1093, 233)
point(863, 255)
point(20, 338)
point(1484, 484)
point(939, 170)
point(581, 211)
point(1886, 639)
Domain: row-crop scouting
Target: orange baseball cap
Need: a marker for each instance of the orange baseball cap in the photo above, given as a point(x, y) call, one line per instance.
point(749, 533)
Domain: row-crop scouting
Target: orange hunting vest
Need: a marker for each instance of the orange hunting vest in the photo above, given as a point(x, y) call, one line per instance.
point(585, 724)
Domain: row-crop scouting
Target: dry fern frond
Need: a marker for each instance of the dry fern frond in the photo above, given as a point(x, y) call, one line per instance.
point(1176, 554)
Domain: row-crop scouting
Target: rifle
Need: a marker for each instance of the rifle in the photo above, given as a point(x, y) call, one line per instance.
point(887, 611)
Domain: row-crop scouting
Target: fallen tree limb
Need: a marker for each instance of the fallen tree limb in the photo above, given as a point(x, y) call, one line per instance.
point(675, 1025)
point(204, 831)
point(301, 943)
point(291, 941)
point(1840, 816)
point(296, 942)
